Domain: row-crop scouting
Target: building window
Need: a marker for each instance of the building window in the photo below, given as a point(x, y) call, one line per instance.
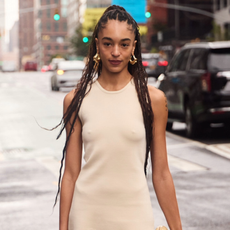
point(47, 2)
point(65, 26)
point(48, 13)
point(225, 3)
point(56, 1)
point(64, 2)
point(48, 26)
point(48, 47)
point(57, 47)
point(40, 13)
point(65, 47)
point(56, 26)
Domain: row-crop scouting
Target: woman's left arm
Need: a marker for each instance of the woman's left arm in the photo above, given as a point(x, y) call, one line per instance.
point(161, 176)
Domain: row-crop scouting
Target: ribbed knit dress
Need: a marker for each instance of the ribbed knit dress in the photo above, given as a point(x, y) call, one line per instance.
point(111, 192)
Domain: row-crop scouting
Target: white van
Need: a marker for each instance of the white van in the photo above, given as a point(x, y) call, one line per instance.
point(8, 66)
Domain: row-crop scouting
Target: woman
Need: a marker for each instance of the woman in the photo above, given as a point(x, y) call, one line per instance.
point(111, 113)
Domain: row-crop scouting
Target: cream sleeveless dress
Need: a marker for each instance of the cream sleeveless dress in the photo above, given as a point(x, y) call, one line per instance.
point(111, 192)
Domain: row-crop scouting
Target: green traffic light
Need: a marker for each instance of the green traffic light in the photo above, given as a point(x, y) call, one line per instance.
point(147, 14)
point(85, 39)
point(56, 17)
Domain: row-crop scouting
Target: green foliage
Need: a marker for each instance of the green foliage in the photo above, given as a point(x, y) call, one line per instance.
point(218, 33)
point(154, 50)
point(80, 48)
point(65, 56)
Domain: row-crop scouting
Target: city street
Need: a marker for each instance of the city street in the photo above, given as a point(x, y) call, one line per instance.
point(30, 160)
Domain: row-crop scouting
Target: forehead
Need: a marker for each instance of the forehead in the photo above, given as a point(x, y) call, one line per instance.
point(117, 29)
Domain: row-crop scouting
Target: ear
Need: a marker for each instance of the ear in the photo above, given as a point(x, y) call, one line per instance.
point(134, 46)
point(96, 41)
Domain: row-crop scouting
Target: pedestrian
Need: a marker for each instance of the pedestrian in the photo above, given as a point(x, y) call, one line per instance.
point(118, 119)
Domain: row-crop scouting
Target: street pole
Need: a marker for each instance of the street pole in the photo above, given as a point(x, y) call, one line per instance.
point(177, 22)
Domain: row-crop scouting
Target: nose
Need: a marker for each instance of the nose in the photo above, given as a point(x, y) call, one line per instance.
point(116, 51)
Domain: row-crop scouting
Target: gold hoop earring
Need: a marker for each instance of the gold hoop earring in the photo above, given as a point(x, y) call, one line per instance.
point(134, 60)
point(97, 59)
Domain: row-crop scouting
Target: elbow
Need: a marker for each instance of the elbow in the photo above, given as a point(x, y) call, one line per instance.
point(71, 177)
point(161, 176)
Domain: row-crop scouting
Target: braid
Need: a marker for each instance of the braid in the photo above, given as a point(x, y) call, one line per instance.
point(84, 85)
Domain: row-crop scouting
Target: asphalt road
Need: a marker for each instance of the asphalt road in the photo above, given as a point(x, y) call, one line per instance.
point(30, 159)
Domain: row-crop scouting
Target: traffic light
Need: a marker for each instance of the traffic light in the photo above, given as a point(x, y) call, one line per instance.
point(56, 14)
point(147, 13)
point(85, 39)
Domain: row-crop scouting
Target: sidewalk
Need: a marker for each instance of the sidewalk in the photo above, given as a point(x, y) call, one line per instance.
point(220, 149)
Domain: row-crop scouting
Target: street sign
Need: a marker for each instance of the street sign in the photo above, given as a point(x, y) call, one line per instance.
point(136, 8)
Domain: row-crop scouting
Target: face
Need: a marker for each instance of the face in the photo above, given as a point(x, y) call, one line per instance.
point(115, 45)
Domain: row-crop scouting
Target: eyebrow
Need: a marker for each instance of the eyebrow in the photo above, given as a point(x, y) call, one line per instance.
point(124, 39)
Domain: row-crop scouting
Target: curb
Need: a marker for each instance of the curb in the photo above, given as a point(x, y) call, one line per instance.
point(219, 149)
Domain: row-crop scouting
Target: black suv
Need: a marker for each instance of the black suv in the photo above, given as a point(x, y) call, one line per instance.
point(197, 86)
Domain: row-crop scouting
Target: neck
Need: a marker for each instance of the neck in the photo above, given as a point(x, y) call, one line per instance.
point(114, 81)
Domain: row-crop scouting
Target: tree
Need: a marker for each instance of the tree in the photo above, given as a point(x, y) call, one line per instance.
point(80, 48)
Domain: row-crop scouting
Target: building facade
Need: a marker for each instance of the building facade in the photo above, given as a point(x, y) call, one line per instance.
point(2, 30)
point(50, 36)
point(184, 21)
point(13, 37)
point(26, 31)
point(76, 10)
point(158, 19)
point(98, 3)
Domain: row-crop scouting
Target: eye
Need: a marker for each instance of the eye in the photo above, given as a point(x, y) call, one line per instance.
point(107, 44)
point(125, 45)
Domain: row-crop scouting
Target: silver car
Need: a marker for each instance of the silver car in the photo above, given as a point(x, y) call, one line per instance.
point(66, 74)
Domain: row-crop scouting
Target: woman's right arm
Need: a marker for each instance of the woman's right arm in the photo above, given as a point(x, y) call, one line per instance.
point(72, 166)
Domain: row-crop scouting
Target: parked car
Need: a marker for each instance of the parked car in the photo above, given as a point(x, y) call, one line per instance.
point(44, 68)
point(197, 86)
point(67, 74)
point(30, 65)
point(154, 64)
point(54, 62)
point(8, 66)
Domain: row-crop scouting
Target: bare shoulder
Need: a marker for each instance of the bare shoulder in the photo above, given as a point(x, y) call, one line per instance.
point(158, 99)
point(69, 97)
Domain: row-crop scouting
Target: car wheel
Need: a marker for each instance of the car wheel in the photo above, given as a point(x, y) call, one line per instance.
point(56, 88)
point(52, 87)
point(169, 126)
point(191, 124)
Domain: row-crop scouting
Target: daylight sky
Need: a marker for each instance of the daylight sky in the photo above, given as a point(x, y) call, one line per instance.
point(11, 9)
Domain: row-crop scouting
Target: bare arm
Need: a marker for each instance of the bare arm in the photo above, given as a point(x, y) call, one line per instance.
point(72, 166)
point(162, 179)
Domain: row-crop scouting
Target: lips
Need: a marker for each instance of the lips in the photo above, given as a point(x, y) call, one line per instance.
point(114, 62)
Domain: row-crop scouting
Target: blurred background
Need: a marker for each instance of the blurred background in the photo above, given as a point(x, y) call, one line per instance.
point(40, 30)
point(186, 54)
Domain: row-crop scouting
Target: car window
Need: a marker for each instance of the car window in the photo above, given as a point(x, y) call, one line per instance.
point(180, 61)
point(183, 63)
point(219, 59)
point(71, 65)
point(198, 59)
point(152, 61)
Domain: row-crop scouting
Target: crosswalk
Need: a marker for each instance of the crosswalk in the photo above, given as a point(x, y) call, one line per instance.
point(185, 165)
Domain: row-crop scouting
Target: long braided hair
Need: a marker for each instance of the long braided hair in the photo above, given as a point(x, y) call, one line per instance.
point(113, 12)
